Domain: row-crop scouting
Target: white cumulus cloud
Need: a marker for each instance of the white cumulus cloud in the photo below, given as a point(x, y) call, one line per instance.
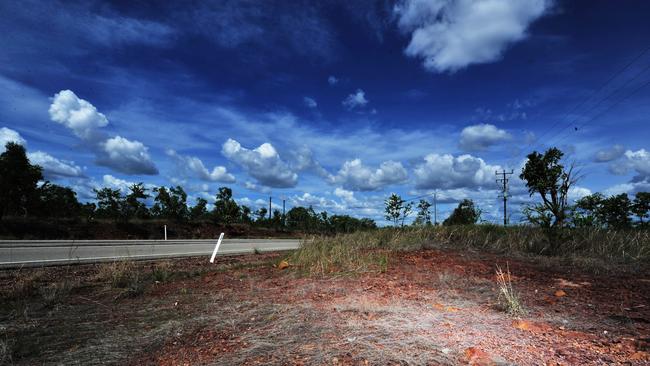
point(262, 163)
point(116, 183)
point(126, 156)
point(448, 172)
point(53, 167)
point(450, 35)
point(191, 165)
point(85, 121)
point(77, 114)
point(612, 153)
point(303, 160)
point(639, 161)
point(332, 80)
point(8, 135)
point(481, 136)
point(357, 99)
point(316, 202)
point(357, 177)
point(345, 195)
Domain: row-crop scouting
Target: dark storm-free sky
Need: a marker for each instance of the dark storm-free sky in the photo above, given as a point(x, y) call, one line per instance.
point(333, 104)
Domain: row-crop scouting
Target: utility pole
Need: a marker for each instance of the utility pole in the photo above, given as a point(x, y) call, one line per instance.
point(283, 216)
point(435, 209)
point(269, 208)
point(504, 180)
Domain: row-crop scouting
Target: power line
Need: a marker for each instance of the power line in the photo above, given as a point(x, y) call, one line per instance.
point(613, 93)
point(598, 90)
point(608, 109)
point(422, 196)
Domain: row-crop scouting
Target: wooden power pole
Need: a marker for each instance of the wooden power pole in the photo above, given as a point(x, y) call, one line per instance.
point(504, 192)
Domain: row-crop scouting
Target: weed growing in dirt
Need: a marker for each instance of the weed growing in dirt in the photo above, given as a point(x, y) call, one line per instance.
point(508, 298)
point(25, 284)
point(123, 275)
point(161, 272)
point(56, 292)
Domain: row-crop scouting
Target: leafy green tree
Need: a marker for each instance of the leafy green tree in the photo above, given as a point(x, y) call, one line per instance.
point(641, 207)
point(397, 210)
point(109, 203)
point(226, 209)
point(276, 220)
point(538, 215)
point(393, 208)
point(170, 204)
point(424, 215)
point(348, 224)
point(88, 211)
point(615, 211)
point(587, 210)
point(200, 210)
point(246, 217)
point(301, 218)
point(547, 177)
point(261, 215)
point(133, 205)
point(323, 221)
point(56, 201)
point(18, 181)
point(465, 214)
point(367, 224)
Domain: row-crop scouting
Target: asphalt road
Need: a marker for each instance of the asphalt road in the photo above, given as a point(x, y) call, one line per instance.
point(55, 252)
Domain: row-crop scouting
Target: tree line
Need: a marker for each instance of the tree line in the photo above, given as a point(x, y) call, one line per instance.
point(23, 193)
point(397, 210)
point(549, 180)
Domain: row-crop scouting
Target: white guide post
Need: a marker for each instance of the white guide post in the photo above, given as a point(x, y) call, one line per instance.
point(214, 254)
point(165, 232)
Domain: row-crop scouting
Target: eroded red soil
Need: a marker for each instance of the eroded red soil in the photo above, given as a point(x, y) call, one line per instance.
point(429, 307)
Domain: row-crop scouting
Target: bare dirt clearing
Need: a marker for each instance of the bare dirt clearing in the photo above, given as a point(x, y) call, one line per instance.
point(428, 307)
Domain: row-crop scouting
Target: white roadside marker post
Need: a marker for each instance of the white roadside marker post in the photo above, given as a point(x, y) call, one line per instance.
point(165, 232)
point(214, 253)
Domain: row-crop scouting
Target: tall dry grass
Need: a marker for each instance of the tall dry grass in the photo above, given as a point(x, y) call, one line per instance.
point(365, 250)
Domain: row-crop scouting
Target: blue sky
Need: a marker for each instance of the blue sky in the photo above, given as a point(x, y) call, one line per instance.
point(333, 104)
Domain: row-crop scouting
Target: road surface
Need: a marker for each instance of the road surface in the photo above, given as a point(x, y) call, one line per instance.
point(16, 253)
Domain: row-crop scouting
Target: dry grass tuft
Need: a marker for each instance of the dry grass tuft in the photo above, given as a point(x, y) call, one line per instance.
point(508, 298)
point(56, 292)
point(123, 274)
point(25, 284)
point(161, 271)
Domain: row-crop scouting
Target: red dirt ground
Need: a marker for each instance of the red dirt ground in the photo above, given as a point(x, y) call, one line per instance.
point(429, 307)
